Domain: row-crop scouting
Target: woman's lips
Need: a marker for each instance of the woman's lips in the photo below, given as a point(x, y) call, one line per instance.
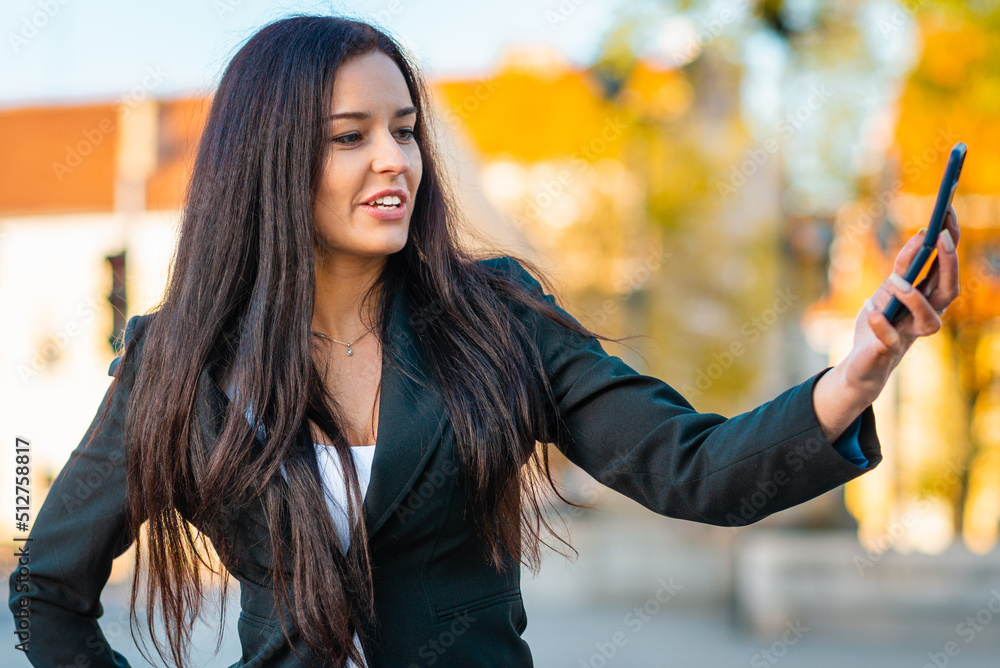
point(385, 214)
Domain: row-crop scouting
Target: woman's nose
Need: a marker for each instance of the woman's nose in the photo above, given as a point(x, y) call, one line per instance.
point(389, 155)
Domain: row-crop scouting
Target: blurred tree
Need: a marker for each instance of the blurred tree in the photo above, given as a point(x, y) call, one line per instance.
point(954, 94)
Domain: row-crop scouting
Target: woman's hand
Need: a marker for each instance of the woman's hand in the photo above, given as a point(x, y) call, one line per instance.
point(878, 346)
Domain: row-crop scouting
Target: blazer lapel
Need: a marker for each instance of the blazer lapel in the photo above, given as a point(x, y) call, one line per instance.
point(410, 424)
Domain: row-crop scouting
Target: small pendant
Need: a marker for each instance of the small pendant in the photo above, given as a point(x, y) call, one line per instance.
point(349, 351)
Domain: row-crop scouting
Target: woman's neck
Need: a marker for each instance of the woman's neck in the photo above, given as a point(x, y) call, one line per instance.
point(340, 286)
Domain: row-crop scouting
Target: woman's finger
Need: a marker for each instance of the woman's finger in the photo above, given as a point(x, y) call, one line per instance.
point(947, 287)
point(925, 318)
point(951, 224)
point(907, 253)
point(941, 284)
point(880, 298)
point(880, 325)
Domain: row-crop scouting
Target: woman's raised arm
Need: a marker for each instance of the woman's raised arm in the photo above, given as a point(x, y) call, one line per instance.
point(639, 436)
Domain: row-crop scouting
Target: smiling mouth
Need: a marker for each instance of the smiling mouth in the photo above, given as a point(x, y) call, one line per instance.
point(387, 202)
point(386, 211)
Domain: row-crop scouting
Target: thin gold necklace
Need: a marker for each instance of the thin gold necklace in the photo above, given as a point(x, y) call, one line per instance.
point(330, 338)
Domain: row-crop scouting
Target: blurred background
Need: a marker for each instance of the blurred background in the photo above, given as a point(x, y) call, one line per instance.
point(728, 179)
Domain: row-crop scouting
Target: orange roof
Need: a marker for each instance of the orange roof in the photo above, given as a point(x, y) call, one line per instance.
point(57, 159)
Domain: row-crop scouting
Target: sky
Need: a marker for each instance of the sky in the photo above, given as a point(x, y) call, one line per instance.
point(73, 51)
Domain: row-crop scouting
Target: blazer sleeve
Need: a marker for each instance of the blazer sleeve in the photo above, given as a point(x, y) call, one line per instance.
point(637, 435)
point(79, 530)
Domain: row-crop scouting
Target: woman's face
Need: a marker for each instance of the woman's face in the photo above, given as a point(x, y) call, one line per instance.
point(370, 148)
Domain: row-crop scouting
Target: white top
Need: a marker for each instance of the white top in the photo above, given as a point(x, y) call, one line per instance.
point(334, 489)
point(336, 493)
point(333, 483)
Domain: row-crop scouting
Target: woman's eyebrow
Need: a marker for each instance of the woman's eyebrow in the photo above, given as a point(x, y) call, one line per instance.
point(366, 115)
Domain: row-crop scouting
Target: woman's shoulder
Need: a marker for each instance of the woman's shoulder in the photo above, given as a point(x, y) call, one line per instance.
point(500, 262)
point(510, 268)
point(134, 329)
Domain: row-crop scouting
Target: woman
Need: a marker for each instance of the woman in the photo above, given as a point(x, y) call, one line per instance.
point(317, 275)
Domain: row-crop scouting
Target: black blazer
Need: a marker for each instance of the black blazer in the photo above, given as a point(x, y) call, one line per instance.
point(439, 602)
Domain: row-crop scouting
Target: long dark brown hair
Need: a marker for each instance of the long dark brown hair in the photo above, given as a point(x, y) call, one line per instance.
point(241, 289)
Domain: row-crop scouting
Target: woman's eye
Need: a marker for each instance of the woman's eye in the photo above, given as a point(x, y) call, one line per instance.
point(343, 139)
point(353, 137)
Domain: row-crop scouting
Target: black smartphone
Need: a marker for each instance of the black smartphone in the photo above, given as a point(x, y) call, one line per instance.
point(894, 310)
